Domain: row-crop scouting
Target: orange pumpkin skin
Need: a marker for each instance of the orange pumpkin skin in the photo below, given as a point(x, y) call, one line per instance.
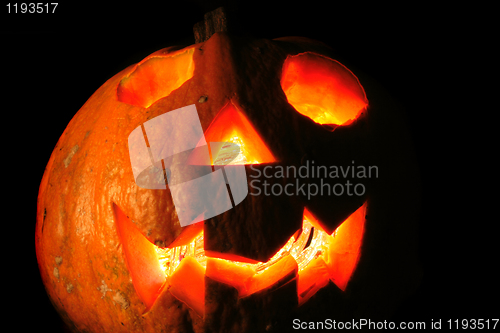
point(79, 251)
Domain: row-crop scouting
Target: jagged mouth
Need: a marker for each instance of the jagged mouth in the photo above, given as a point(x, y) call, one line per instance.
point(311, 255)
point(303, 248)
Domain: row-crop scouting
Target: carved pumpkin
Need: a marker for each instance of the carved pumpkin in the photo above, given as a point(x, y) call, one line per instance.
point(113, 255)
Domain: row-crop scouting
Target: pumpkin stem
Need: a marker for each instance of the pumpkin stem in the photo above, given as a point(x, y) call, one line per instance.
point(214, 21)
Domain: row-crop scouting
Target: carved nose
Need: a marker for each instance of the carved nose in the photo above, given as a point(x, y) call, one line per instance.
point(231, 126)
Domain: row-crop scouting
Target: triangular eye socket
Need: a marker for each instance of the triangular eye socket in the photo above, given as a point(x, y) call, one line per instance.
point(322, 89)
point(155, 78)
point(231, 126)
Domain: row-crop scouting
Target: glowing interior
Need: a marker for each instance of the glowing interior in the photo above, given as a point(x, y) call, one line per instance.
point(155, 78)
point(322, 89)
point(170, 258)
point(318, 87)
point(316, 256)
point(231, 125)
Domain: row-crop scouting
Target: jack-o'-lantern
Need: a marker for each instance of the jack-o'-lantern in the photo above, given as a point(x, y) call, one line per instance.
point(113, 254)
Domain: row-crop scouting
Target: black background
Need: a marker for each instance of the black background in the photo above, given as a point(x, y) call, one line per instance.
point(52, 63)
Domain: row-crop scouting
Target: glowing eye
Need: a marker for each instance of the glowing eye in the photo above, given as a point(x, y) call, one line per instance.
point(156, 78)
point(322, 89)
